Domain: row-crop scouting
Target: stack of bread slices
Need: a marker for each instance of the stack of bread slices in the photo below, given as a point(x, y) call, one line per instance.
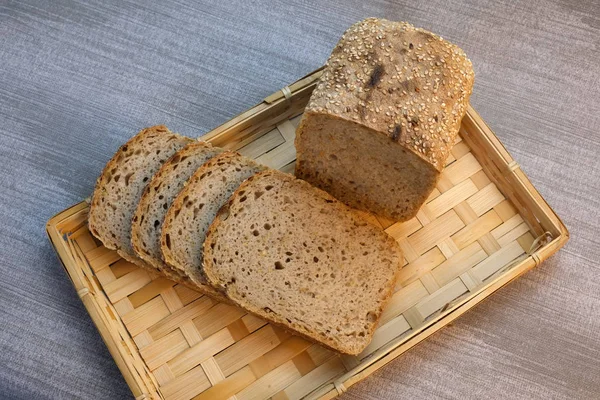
point(375, 135)
point(247, 235)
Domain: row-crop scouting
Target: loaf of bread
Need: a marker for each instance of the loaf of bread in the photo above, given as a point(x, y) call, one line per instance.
point(383, 117)
point(292, 254)
point(121, 184)
point(195, 207)
point(158, 197)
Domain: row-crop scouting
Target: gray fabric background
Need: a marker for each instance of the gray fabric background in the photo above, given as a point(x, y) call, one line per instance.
point(77, 79)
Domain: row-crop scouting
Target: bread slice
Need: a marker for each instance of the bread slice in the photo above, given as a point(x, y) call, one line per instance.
point(194, 209)
point(120, 186)
point(158, 197)
point(292, 254)
point(384, 116)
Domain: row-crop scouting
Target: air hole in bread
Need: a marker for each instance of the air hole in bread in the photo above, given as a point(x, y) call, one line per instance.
point(267, 226)
point(279, 265)
point(168, 241)
point(371, 316)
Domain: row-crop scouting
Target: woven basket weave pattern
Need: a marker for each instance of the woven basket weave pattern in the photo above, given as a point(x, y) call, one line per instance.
point(171, 342)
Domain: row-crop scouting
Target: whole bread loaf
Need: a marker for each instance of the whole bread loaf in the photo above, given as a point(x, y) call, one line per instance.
point(121, 184)
point(290, 253)
point(384, 116)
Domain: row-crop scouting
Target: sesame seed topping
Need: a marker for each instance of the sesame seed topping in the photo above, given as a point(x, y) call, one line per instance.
point(420, 82)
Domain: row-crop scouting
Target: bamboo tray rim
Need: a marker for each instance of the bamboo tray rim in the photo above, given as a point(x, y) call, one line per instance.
point(134, 377)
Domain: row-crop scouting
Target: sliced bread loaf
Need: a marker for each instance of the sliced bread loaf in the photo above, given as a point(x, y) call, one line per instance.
point(195, 207)
point(120, 186)
point(292, 254)
point(384, 116)
point(158, 197)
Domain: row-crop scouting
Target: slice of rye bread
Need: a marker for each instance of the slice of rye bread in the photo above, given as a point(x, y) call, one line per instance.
point(120, 186)
point(292, 254)
point(194, 209)
point(158, 197)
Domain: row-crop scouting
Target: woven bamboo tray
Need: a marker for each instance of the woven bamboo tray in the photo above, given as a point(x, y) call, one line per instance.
point(483, 226)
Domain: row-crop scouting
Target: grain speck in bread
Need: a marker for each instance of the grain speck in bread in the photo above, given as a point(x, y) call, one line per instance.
point(292, 254)
point(120, 186)
point(384, 116)
point(195, 207)
point(158, 197)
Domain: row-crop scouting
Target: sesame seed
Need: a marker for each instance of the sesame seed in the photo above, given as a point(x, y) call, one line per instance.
point(411, 85)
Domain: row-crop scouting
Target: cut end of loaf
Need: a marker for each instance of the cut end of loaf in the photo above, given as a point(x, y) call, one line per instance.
point(361, 168)
point(292, 254)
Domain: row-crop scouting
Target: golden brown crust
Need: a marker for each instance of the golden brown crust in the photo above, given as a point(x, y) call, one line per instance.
point(404, 82)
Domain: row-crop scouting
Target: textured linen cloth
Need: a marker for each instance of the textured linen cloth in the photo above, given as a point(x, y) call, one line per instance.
point(77, 79)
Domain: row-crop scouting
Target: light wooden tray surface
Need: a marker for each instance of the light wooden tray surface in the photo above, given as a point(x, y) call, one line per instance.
point(483, 225)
